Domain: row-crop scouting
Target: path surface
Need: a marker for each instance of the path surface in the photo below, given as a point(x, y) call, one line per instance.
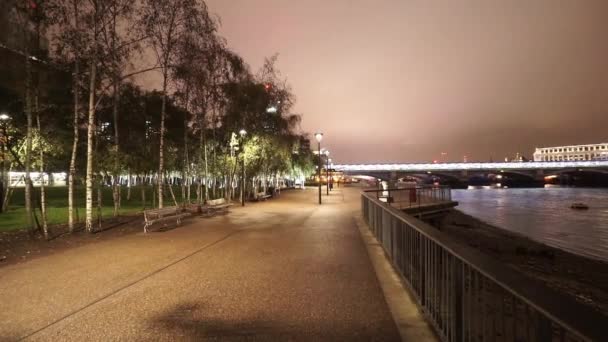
point(284, 269)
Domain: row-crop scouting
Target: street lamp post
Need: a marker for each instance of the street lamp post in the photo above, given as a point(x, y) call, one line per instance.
point(319, 137)
point(242, 133)
point(329, 177)
point(327, 170)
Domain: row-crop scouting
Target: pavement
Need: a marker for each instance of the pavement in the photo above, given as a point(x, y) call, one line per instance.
point(286, 269)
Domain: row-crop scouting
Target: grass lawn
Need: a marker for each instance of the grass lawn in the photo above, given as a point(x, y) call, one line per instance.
point(57, 205)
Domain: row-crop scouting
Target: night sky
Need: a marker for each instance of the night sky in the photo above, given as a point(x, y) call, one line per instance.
point(406, 80)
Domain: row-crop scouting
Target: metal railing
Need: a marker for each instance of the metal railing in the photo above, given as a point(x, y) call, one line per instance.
point(468, 296)
point(402, 198)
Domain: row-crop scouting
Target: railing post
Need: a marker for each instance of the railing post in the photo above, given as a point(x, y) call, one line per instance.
point(458, 309)
point(543, 329)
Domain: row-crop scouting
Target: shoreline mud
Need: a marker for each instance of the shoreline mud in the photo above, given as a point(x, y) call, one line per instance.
point(582, 278)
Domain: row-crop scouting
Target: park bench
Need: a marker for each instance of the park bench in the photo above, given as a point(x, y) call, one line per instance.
point(193, 208)
point(262, 196)
point(216, 205)
point(152, 216)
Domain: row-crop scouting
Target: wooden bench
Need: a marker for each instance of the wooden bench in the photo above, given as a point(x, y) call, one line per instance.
point(216, 205)
point(193, 208)
point(261, 196)
point(152, 216)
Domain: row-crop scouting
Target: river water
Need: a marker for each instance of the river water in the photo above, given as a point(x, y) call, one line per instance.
point(544, 215)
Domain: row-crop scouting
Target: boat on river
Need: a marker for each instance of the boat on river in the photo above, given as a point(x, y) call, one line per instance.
point(579, 206)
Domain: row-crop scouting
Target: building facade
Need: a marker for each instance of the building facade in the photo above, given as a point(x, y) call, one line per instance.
point(572, 153)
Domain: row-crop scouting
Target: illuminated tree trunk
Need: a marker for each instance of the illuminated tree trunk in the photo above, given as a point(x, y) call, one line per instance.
point(90, 135)
point(45, 229)
point(72, 173)
point(129, 185)
point(28, 144)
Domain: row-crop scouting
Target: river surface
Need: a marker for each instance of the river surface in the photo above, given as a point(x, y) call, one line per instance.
point(544, 215)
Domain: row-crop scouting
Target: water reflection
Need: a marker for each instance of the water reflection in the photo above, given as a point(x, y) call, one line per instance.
point(545, 215)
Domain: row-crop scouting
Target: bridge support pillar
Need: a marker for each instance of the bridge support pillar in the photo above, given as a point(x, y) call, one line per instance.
point(540, 175)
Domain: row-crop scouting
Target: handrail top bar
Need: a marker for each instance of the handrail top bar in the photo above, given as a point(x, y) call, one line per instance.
point(579, 318)
point(416, 188)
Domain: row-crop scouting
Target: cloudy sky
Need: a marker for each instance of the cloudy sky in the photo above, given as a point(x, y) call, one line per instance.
point(404, 80)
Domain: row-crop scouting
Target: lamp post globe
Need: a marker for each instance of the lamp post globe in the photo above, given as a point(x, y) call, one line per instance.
point(319, 137)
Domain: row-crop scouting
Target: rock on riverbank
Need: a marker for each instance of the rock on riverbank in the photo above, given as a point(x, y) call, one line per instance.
point(582, 278)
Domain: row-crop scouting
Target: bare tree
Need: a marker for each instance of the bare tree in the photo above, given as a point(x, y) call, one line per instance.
point(167, 22)
point(71, 45)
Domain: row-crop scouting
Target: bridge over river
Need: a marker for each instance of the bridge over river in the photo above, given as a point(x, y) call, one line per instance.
point(533, 171)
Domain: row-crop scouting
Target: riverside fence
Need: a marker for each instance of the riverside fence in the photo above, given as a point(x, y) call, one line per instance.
point(403, 198)
point(468, 296)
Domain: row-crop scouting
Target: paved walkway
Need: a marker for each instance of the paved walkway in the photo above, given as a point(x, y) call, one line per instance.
point(285, 269)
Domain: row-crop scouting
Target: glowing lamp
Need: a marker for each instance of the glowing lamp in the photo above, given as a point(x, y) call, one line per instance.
point(319, 136)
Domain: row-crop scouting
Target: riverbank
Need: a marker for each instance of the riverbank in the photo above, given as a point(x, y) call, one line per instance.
point(584, 279)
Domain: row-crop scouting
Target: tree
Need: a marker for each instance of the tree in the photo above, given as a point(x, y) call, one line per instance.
point(119, 44)
point(167, 22)
point(71, 45)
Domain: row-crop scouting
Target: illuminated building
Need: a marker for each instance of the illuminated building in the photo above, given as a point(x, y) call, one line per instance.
point(572, 153)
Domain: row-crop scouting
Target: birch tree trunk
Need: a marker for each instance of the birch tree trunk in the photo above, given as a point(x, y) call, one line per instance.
point(185, 172)
point(28, 144)
point(72, 173)
point(76, 90)
point(45, 229)
point(90, 135)
point(161, 160)
point(115, 185)
point(129, 185)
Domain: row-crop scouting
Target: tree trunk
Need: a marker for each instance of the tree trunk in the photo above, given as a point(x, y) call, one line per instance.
point(76, 89)
point(90, 134)
point(143, 195)
point(5, 177)
point(28, 146)
point(115, 185)
point(129, 184)
point(153, 196)
point(72, 172)
point(99, 200)
point(186, 168)
point(45, 229)
point(161, 159)
point(205, 178)
point(172, 194)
